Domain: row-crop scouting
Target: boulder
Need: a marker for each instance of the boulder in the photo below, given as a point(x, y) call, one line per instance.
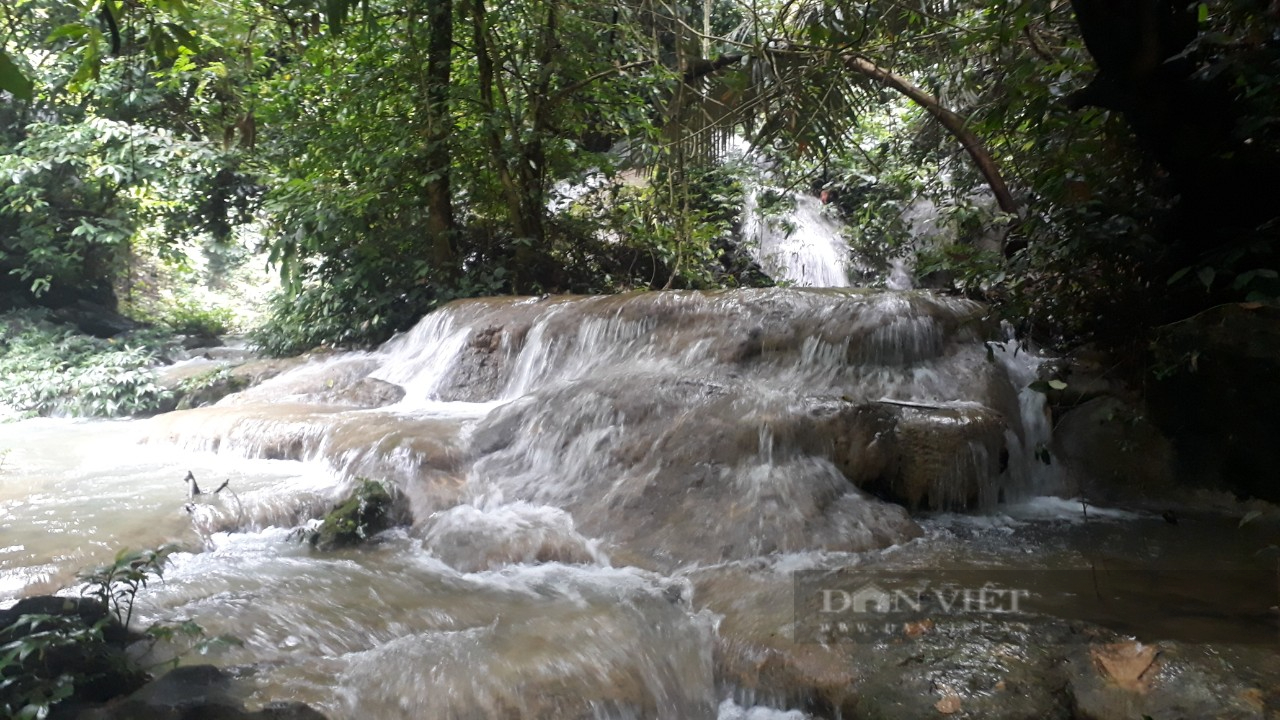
point(949, 458)
point(1215, 396)
point(365, 512)
point(339, 382)
point(1110, 451)
point(203, 381)
point(94, 319)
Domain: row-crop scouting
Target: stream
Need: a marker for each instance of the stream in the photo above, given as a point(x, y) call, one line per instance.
point(623, 507)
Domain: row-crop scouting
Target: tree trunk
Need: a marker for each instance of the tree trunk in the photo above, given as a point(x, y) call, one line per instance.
point(439, 191)
point(520, 164)
point(486, 80)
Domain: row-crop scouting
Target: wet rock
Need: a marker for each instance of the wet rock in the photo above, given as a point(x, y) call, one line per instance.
point(200, 382)
point(262, 369)
point(340, 383)
point(864, 446)
point(200, 341)
point(195, 692)
point(471, 540)
point(948, 458)
point(366, 512)
point(187, 686)
point(68, 645)
point(362, 393)
point(1110, 451)
point(997, 671)
point(208, 389)
point(1088, 373)
point(1216, 394)
point(94, 319)
point(1128, 679)
point(483, 367)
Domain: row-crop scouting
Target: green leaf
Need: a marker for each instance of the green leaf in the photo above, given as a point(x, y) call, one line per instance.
point(70, 30)
point(12, 79)
point(1057, 385)
point(1202, 13)
point(1250, 517)
point(1206, 275)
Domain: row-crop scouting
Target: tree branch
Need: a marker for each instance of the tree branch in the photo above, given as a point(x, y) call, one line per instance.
point(565, 92)
point(953, 123)
point(702, 67)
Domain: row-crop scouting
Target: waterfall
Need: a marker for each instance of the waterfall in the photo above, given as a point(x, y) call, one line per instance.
point(592, 404)
point(594, 484)
point(805, 247)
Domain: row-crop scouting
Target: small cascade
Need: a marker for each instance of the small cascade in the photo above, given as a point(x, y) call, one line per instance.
point(804, 248)
point(622, 418)
point(900, 276)
point(1031, 465)
point(549, 448)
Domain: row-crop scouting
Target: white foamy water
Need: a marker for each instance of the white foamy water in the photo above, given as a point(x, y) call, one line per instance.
point(72, 493)
point(804, 247)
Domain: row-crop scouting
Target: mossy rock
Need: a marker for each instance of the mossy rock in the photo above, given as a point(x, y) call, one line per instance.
point(365, 512)
point(209, 388)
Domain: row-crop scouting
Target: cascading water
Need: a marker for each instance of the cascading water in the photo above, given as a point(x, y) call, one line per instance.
point(607, 494)
point(804, 247)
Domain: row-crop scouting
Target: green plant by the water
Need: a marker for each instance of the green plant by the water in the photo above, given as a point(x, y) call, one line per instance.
point(116, 584)
point(25, 692)
point(189, 316)
point(46, 370)
point(77, 646)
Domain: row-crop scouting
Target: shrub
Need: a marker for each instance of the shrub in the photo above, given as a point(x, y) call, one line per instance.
point(46, 370)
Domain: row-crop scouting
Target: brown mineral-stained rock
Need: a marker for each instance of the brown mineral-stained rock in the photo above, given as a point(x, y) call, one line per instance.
point(1126, 663)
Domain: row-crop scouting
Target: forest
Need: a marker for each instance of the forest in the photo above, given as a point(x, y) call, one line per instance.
point(551, 359)
point(1102, 168)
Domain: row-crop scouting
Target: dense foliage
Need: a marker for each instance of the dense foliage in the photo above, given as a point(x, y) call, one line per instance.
point(53, 370)
point(391, 156)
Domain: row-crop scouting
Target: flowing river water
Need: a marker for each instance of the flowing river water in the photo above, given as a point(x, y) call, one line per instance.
point(608, 503)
